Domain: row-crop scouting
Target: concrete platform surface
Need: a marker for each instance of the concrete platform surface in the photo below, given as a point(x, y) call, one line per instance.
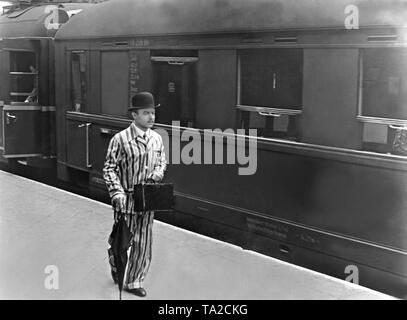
point(53, 246)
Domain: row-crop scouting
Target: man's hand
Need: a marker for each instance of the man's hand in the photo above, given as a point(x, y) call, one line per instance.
point(118, 202)
point(153, 179)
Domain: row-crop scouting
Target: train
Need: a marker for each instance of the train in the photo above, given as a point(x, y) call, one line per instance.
point(299, 107)
point(27, 88)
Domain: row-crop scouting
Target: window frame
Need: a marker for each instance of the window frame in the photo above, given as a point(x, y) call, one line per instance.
point(393, 123)
point(266, 111)
point(11, 73)
point(84, 108)
point(262, 110)
point(129, 93)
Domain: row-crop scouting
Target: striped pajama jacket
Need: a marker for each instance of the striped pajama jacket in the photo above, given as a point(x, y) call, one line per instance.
point(131, 160)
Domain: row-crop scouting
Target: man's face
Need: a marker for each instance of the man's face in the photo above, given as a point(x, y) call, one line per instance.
point(144, 118)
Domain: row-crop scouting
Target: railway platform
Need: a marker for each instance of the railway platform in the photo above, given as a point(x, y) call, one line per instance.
point(46, 232)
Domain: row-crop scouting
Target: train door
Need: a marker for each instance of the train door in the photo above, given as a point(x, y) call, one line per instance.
point(21, 116)
point(174, 88)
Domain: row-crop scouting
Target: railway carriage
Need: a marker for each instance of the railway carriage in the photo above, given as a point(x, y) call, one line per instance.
point(323, 86)
point(27, 86)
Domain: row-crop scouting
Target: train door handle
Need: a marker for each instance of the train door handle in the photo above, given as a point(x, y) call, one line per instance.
point(10, 116)
point(84, 125)
point(87, 125)
point(108, 131)
point(274, 80)
point(176, 63)
point(268, 114)
point(284, 249)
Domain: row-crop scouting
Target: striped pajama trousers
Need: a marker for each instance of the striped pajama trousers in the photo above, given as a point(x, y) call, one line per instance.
point(140, 252)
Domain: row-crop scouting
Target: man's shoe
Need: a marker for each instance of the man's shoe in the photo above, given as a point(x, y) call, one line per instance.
point(138, 292)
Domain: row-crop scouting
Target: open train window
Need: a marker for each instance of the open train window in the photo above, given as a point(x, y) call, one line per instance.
point(23, 76)
point(383, 99)
point(78, 81)
point(174, 77)
point(270, 91)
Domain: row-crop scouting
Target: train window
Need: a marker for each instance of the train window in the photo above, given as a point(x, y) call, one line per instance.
point(271, 78)
point(174, 77)
point(23, 76)
point(78, 81)
point(383, 88)
point(270, 91)
point(115, 82)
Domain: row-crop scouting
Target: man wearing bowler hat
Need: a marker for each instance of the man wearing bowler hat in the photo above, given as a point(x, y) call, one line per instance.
point(135, 155)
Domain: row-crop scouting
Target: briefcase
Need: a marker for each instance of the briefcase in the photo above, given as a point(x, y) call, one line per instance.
point(153, 197)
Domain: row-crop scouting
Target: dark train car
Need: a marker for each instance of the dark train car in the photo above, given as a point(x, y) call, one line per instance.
point(27, 84)
point(322, 182)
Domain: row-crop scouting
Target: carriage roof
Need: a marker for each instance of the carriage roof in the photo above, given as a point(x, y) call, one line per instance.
point(165, 17)
point(29, 21)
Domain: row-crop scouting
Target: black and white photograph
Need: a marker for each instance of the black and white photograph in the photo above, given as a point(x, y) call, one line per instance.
point(203, 154)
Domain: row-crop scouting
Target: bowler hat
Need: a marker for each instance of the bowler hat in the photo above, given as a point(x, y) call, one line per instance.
point(142, 100)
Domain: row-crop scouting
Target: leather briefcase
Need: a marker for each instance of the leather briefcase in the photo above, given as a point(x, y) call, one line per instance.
point(153, 197)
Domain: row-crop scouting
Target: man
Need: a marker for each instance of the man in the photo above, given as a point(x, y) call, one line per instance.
point(33, 95)
point(135, 155)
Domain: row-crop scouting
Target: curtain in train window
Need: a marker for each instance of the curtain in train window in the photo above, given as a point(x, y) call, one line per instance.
point(384, 95)
point(23, 76)
point(384, 138)
point(115, 82)
point(384, 92)
point(272, 125)
point(271, 79)
point(78, 81)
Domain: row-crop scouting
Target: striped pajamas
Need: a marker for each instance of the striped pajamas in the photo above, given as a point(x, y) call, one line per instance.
point(132, 160)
